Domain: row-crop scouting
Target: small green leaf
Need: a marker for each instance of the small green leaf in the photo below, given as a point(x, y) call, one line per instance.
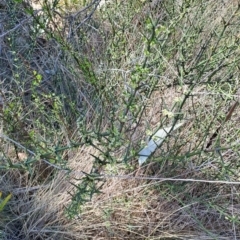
point(5, 201)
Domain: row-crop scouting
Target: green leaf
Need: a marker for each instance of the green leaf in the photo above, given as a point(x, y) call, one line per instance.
point(5, 201)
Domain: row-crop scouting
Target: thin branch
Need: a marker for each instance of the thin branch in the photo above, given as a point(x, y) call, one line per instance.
point(29, 151)
point(97, 2)
point(169, 179)
point(89, 15)
point(129, 177)
point(16, 143)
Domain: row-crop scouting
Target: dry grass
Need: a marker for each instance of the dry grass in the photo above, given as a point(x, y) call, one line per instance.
point(126, 209)
point(45, 117)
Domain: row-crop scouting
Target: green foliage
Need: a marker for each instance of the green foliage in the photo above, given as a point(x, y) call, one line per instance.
point(196, 55)
point(4, 201)
point(93, 81)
